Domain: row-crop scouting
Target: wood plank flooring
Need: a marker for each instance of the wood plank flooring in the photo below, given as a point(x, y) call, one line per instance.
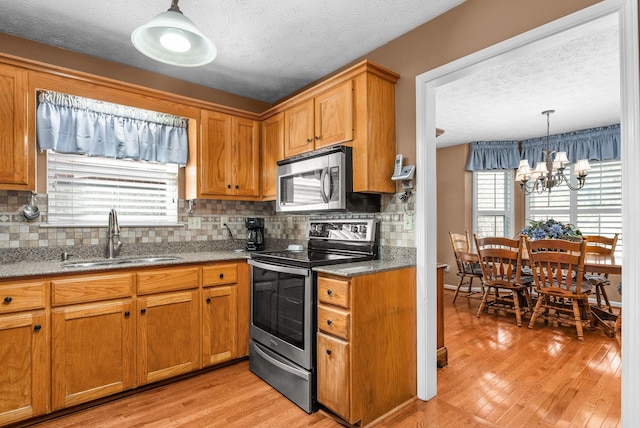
point(498, 375)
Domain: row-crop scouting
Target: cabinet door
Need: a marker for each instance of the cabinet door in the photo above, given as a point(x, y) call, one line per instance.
point(244, 159)
point(271, 150)
point(168, 335)
point(17, 156)
point(24, 378)
point(93, 352)
point(219, 326)
point(334, 369)
point(334, 115)
point(215, 171)
point(298, 129)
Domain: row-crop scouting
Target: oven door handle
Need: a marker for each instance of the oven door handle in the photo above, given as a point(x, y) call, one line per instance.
point(276, 362)
point(277, 268)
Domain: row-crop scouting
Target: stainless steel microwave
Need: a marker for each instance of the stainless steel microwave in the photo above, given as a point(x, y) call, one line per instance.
point(321, 181)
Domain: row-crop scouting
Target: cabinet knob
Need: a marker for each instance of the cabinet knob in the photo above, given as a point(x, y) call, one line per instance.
point(143, 311)
point(221, 276)
point(228, 186)
point(208, 299)
point(126, 314)
point(308, 140)
point(329, 292)
point(329, 322)
point(8, 299)
point(237, 187)
point(317, 138)
point(37, 327)
point(328, 351)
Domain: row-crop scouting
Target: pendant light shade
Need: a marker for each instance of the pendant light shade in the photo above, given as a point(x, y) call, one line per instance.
point(172, 38)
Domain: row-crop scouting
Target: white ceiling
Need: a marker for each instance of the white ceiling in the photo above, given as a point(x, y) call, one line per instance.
point(267, 50)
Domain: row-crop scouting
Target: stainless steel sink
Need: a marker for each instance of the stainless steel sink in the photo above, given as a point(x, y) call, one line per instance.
point(116, 262)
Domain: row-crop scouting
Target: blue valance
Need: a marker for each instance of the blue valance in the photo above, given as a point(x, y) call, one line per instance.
point(486, 155)
point(595, 144)
point(70, 124)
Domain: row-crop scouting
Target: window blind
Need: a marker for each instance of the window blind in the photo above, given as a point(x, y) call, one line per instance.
point(492, 195)
point(82, 189)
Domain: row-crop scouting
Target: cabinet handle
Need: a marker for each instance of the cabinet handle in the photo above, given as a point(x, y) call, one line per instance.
point(37, 327)
point(126, 314)
point(328, 351)
point(228, 186)
point(208, 299)
point(221, 275)
point(317, 138)
point(329, 322)
point(143, 311)
point(329, 292)
point(308, 140)
point(8, 299)
point(237, 187)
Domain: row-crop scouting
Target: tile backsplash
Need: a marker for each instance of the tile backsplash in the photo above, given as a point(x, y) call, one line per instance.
point(18, 233)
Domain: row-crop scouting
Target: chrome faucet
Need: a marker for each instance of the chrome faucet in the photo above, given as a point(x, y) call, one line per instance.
point(113, 231)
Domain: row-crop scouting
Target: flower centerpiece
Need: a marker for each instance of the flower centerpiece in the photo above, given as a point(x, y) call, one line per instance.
point(551, 229)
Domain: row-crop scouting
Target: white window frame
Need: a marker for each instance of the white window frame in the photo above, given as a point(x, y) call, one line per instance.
point(508, 212)
point(143, 193)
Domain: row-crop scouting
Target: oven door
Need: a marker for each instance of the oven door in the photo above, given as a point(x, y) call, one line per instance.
point(282, 311)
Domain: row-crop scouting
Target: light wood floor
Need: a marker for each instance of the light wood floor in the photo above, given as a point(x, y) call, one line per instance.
point(498, 375)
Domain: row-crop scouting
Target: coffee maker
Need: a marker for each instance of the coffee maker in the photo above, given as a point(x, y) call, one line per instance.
point(255, 239)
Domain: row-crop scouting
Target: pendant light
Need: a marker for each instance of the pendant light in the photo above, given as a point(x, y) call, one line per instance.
point(172, 38)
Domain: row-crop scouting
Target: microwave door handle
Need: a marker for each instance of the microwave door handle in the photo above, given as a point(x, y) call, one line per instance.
point(323, 179)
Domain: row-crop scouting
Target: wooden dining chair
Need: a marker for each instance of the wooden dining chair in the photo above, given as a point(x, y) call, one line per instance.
point(467, 261)
point(558, 273)
point(505, 286)
point(604, 245)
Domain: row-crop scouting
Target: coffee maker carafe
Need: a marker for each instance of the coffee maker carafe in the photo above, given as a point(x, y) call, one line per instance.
point(255, 239)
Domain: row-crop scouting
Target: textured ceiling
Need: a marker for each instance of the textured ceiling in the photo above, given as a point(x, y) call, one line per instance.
point(579, 78)
point(266, 49)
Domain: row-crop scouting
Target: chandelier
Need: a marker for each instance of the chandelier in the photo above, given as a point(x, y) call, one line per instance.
point(550, 173)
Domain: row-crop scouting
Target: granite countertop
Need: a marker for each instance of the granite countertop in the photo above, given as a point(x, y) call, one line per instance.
point(364, 268)
point(56, 267)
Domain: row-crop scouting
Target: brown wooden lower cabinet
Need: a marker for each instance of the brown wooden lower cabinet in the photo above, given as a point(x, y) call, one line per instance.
point(93, 351)
point(366, 348)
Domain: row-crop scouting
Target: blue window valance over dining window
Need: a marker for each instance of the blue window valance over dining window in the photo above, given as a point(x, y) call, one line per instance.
point(488, 155)
point(595, 144)
point(71, 124)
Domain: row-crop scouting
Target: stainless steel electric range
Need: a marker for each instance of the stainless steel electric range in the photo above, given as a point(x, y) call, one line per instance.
point(283, 303)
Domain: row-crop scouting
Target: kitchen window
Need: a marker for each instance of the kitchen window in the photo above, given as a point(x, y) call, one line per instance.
point(596, 209)
point(82, 189)
point(493, 207)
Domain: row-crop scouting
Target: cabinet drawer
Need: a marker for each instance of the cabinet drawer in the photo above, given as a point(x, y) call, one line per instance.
point(21, 296)
point(334, 368)
point(333, 291)
point(220, 274)
point(158, 280)
point(334, 321)
point(91, 288)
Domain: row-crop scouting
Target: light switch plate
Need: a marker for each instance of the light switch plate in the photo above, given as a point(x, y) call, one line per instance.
point(408, 222)
point(195, 222)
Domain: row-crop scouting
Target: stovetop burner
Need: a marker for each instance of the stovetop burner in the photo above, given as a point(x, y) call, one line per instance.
point(330, 242)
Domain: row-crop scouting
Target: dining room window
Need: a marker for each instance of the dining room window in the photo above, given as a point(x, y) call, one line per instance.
point(493, 207)
point(596, 209)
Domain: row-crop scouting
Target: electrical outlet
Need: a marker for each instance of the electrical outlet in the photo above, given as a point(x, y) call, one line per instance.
point(290, 224)
point(408, 222)
point(223, 220)
point(195, 222)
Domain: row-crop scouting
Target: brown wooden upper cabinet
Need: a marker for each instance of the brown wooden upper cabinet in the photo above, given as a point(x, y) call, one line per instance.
point(17, 153)
point(271, 151)
point(229, 156)
point(355, 107)
point(321, 121)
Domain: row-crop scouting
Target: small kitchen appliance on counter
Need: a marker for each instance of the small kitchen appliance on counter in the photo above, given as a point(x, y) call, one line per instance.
point(283, 303)
point(255, 238)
